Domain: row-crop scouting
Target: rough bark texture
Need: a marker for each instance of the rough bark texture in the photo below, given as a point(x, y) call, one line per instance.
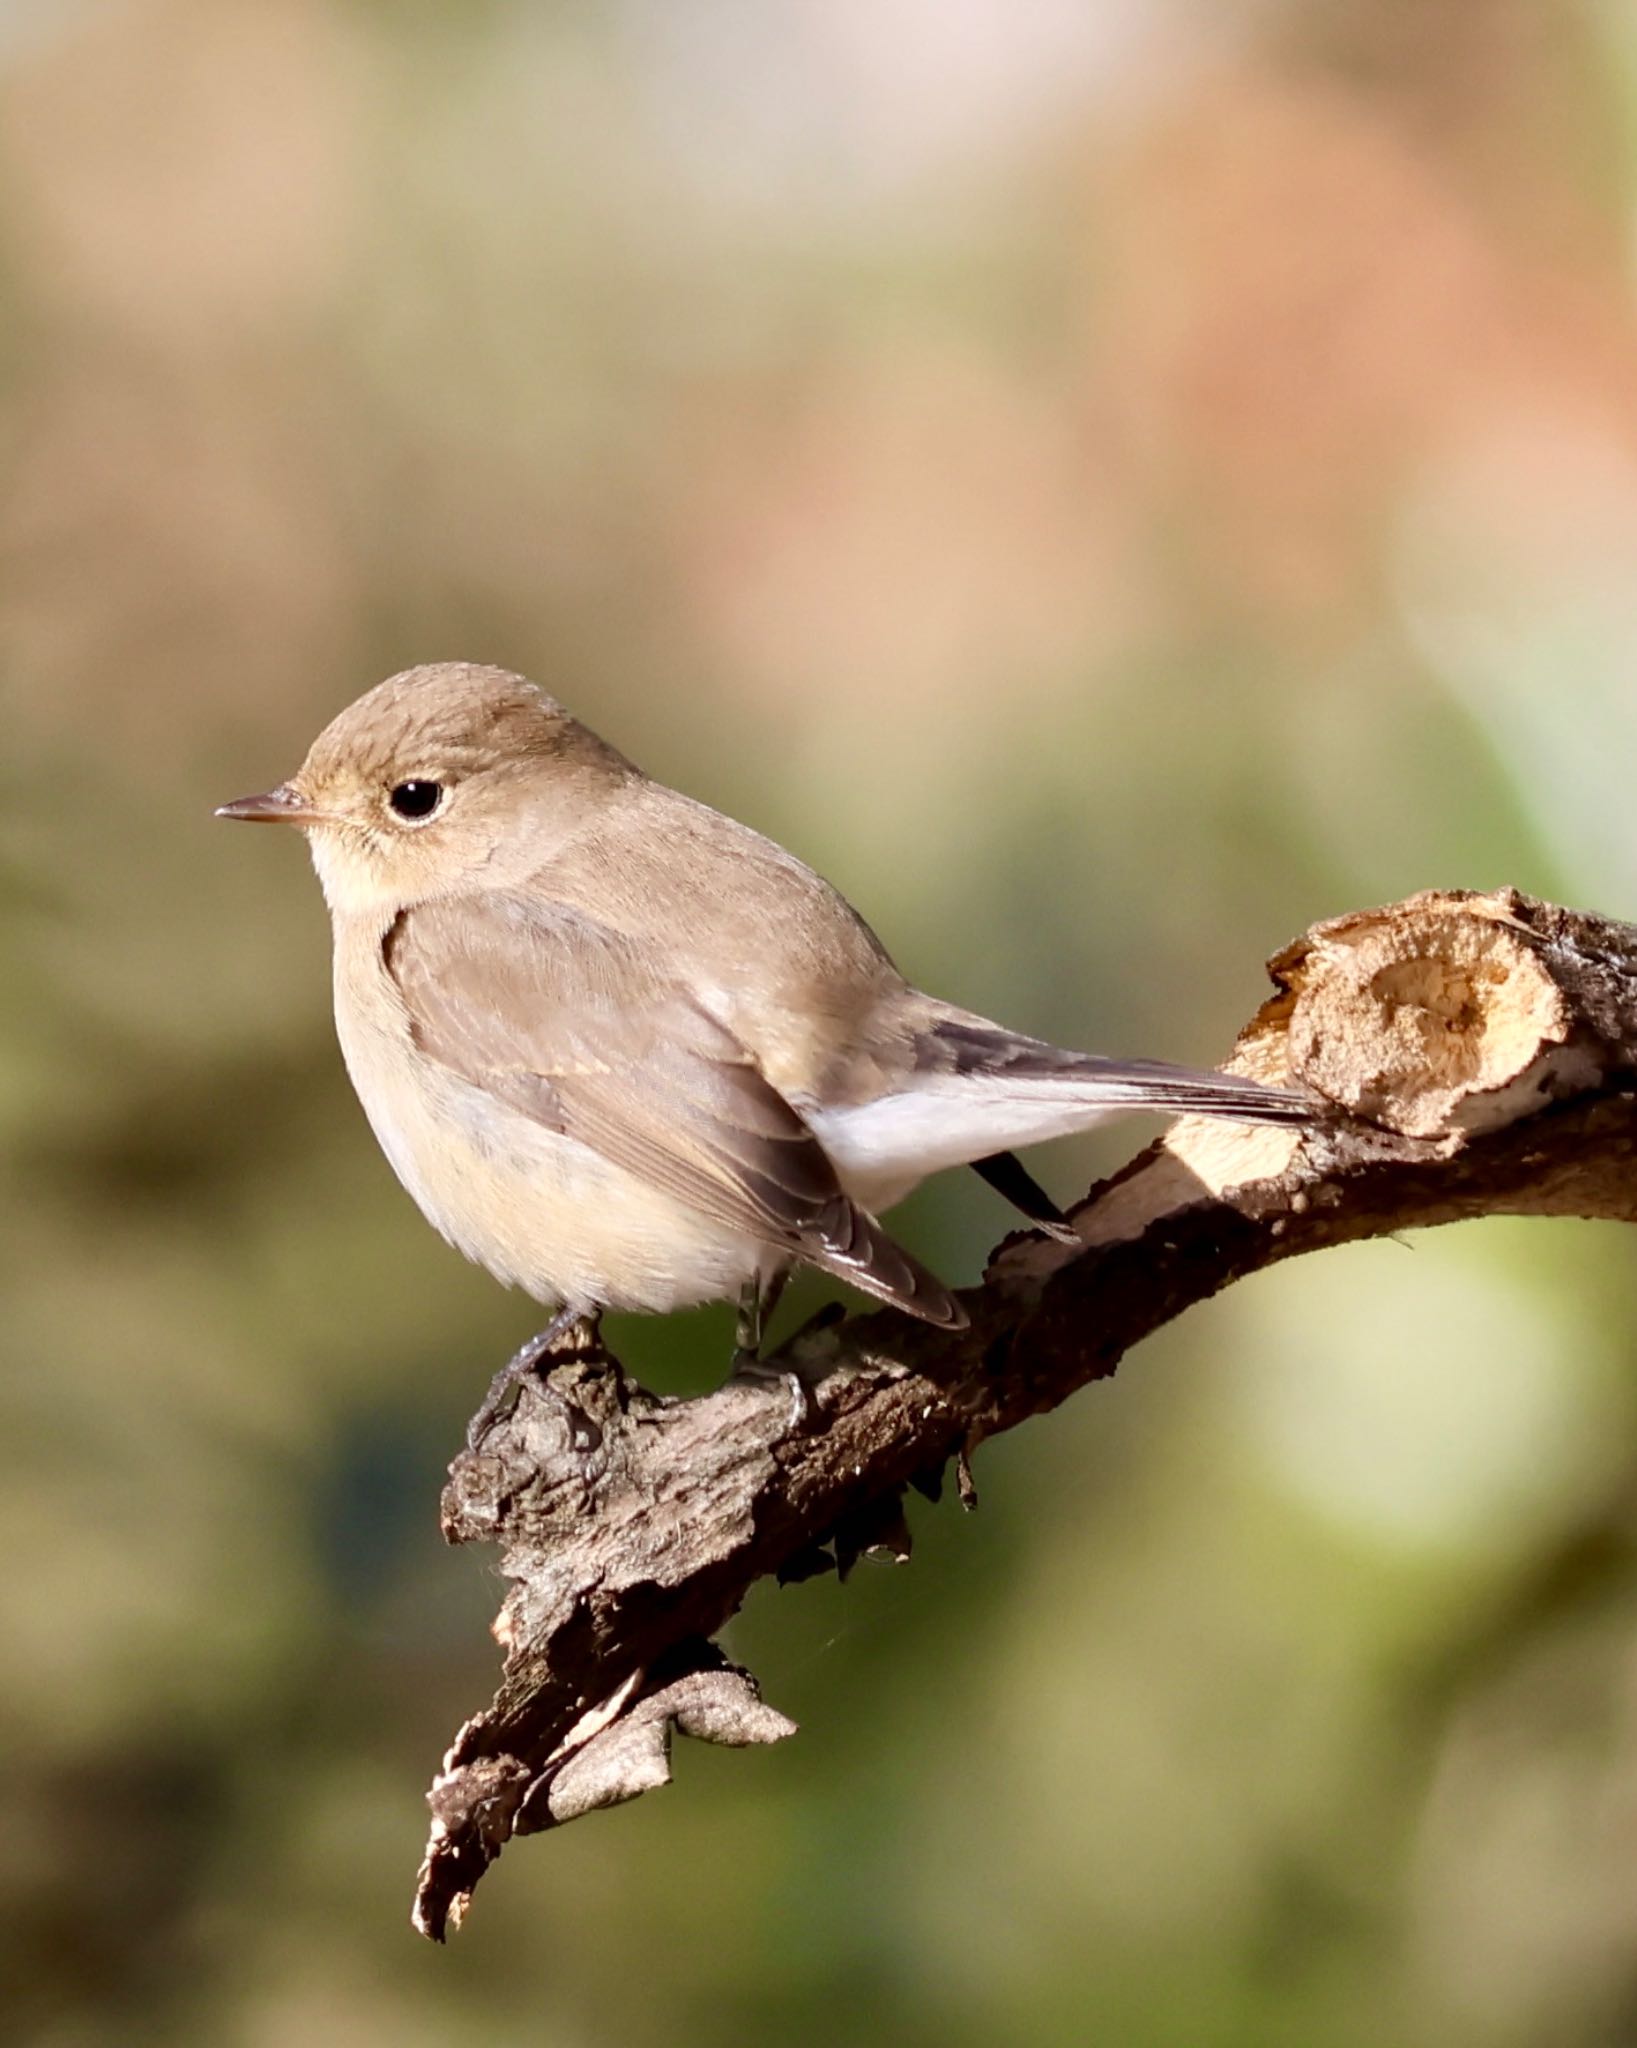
point(1481, 1054)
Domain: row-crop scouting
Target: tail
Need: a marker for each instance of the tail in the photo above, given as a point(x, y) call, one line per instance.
point(979, 1091)
point(972, 1049)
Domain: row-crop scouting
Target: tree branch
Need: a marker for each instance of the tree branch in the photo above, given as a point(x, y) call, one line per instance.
point(1480, 1052)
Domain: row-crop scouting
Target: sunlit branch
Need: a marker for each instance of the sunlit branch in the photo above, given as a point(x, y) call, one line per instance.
point(1480, 1053)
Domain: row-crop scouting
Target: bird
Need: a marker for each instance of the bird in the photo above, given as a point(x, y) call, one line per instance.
point(627, 1053)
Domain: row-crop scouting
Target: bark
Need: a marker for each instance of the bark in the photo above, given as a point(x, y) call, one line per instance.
point(1480, 1054)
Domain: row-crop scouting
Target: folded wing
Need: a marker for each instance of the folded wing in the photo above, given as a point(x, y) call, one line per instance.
point(572, 1025)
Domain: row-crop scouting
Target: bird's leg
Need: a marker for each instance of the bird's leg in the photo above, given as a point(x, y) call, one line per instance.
point(517, 1369)
point(757, 1300)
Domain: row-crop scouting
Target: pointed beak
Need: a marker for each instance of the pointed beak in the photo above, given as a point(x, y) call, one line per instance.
point(282, 806)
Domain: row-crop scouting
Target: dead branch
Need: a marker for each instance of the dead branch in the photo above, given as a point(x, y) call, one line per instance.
point(1481, 1053)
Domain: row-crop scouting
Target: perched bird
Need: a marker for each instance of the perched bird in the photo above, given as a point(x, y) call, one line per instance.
point(628, 1054)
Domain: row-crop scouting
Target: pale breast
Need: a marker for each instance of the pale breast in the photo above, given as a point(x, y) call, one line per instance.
point(538, 1210)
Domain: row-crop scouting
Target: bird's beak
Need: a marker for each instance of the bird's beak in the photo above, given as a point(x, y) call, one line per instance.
point(282, 806)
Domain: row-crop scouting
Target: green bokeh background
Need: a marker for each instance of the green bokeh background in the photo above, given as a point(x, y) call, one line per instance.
point(1110, 485)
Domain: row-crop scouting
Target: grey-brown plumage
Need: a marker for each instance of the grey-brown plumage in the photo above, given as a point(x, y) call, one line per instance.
point(568, 1023)
point(629, 1053)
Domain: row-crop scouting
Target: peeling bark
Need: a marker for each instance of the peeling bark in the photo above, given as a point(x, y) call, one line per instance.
point(1481, 1054)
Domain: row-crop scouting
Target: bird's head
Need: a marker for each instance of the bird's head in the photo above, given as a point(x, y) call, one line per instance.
point(440, 779)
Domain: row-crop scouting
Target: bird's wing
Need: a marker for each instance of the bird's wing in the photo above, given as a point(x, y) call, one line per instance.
point(576, 1027)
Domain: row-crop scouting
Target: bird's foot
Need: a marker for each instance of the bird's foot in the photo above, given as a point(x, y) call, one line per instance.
point(506, 1384)
point(749, 1370)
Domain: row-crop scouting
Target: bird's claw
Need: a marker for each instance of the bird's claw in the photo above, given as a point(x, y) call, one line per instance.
point(752, 1371)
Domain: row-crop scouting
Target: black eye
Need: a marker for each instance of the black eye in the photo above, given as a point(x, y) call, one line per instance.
point(416, 799)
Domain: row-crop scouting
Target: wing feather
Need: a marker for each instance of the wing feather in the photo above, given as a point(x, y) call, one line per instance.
point(574, 1026)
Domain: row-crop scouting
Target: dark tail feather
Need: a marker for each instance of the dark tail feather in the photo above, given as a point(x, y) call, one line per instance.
point(985, 1049)
point(1009, 1177)
point(1187, 1091)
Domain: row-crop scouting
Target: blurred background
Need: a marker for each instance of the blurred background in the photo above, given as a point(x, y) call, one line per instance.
point(1110, 482)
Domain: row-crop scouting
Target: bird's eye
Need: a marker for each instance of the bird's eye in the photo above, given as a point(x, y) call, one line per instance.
point(416, 800)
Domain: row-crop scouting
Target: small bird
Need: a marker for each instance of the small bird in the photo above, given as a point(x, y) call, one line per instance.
point(628, 1054)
